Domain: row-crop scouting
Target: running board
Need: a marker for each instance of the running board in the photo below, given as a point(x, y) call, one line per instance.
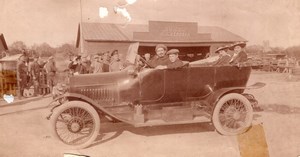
point(156, 122)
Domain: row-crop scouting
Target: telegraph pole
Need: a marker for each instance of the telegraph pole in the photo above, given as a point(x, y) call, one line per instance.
point(81, 33)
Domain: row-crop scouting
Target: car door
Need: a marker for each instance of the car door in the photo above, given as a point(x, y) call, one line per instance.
point(200, 81)
point(152, 85)
point(175, 85)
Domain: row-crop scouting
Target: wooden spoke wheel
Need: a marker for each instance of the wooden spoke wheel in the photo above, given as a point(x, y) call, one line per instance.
point(76, 124)
point(233, 114)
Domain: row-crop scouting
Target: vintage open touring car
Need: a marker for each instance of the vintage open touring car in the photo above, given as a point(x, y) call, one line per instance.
point(149, 97)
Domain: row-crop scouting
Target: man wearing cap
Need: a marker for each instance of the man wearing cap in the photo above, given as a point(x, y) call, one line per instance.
point(35, 70)
point(174, 61)
point(239, 55)
point(224, 57)
point(160, 58)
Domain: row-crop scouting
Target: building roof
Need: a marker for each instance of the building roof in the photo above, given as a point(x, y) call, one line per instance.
point(10, 58)
point(3, 45)
point(144, 33)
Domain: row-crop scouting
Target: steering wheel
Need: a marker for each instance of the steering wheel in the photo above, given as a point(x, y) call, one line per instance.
point(144, 61)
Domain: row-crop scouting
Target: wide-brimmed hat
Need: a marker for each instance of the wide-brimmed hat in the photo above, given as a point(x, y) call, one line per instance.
point(161, 46)
point(114, 52)
point(222, 48)
point(173, 51)
point(240, 43)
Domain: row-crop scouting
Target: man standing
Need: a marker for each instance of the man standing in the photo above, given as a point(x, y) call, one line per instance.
point(96, 65)
point(115, 62)
point(77, 67)
point(51, 71)
point(35, 74)
point(105, 62)
point(22, 73)
point(160, 58)
point(224, 57)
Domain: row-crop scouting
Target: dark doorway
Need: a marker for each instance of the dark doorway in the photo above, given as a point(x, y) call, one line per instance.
point(186, 53)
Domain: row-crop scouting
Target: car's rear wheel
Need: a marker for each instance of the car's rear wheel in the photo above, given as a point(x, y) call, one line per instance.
point(76, 124)
point(233, 114)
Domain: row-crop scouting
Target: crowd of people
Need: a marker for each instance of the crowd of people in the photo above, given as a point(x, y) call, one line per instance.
point(163, 59)
point(101, 62)
point(37, 74)
point(41, 75)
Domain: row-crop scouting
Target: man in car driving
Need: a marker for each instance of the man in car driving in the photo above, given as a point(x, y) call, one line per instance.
point(174, 61)
point(160, 58)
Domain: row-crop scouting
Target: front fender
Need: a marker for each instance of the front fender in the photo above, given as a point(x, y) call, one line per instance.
point(216, 95)
point(74, 96)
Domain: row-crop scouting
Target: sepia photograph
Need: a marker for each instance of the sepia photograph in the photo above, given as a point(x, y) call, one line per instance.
point(149, 78)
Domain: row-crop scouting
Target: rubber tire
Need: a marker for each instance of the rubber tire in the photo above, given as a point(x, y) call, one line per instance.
point(84, 106)
point(215, 117)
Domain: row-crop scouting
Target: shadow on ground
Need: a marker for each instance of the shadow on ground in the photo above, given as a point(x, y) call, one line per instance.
point(281, 109)
point(118, 128)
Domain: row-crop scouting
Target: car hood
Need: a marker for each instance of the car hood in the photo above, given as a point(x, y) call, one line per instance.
point(98, 79)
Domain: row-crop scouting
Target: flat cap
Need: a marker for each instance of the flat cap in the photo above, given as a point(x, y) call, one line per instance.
point(173, 51)
point(161, 46)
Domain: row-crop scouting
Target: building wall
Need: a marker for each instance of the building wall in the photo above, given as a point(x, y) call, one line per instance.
point(97, 46)
point(100, 47)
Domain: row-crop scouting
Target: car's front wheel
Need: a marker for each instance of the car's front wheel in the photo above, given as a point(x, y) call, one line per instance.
point(233, 114)
point(76, 123)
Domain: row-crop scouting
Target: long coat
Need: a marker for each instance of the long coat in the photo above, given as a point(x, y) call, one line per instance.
point(239, 58)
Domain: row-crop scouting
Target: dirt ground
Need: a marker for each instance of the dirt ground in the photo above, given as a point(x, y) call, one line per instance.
point(28, 133)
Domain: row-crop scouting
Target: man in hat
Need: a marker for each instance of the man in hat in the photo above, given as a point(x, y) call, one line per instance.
point(86, 63)
point(224, 57)
point(51, 72)
point(22, 73)
point(239, 55)
point(76, 66)
point(105, 61)
point(160, 58)
point(147, 57)
point(174, 61)
point(96, 65)
point(115, 62)
point(35, 74)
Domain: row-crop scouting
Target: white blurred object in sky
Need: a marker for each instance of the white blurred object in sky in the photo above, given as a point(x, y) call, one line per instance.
point(123, 12)
point(103, 12)
point(130, 1)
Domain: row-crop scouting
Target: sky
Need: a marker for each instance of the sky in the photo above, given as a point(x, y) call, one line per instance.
point(56, 21)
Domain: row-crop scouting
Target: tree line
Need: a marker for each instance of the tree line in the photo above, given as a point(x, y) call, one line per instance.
point(42, 50)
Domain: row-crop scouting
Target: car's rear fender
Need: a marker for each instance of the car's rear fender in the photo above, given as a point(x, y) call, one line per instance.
point(216, 95)
point(79, 97)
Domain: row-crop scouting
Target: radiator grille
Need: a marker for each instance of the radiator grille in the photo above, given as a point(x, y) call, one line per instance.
point(100, 94)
